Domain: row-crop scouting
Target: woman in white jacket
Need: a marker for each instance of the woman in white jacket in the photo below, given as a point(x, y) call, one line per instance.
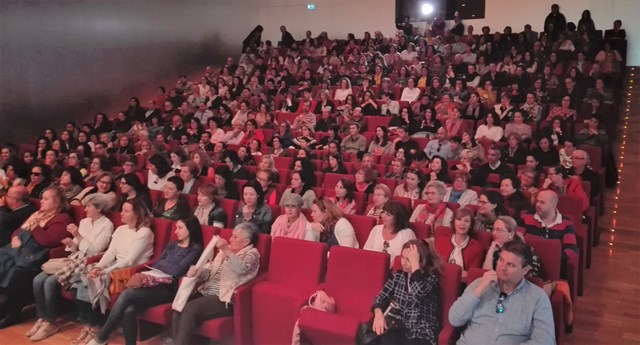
point(330, 226)
point(393, 233)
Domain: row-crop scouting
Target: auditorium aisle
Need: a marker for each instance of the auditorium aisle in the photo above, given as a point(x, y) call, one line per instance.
point(609, 311)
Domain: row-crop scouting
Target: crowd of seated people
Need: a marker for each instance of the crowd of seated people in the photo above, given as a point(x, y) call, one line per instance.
point(461, 134)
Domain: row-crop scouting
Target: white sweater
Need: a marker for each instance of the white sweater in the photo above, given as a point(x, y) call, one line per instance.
point(494, 133)
point(128, 248)
point(410, 95)
point(375, 242)
point(95, 235)
point(345, 234)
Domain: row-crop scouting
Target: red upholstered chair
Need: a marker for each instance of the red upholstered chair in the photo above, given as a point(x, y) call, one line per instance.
point(240, 184)
point(570, 206)
point(374, 121)
point(283, 162)
point(330, 179)
point(115, 218)
point(405, 201)
point(230, 207)
point(354, 278)
point(192, 199)
point(78, 214)
point(390, 182)
point(450, 282)
point(156, 195)
point(296, 268)
point(422, 230)
point(362, 225)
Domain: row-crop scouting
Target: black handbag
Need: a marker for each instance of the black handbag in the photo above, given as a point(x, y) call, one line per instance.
point(392, 318)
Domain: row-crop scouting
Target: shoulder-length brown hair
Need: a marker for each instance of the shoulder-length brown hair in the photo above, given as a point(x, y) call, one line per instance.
point(461, 213)
point(333, 212)
point(430, 261)
point(141, 211)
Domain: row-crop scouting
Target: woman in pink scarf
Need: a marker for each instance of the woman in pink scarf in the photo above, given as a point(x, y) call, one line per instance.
point(292, 223)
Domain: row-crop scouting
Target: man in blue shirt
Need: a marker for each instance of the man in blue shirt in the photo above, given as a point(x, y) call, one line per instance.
point(439, 146)
point(503, 307)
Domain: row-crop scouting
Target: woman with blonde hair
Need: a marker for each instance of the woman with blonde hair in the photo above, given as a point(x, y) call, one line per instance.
point(330, 226)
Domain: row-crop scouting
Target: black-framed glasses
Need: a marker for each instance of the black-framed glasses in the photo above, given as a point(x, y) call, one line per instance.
point(34, 173)
point(500, 305)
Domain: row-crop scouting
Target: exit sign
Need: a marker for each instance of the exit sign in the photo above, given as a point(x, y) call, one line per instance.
point(311, 7)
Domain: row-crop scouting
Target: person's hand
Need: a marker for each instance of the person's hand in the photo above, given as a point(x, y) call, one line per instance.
point(547, 183)
point(192, 272)
point(3, 201)
point(222, 245)
point(414, 257)
point(379, 324)
point(72, 229)
point(95, 272)
point(15, 242)
point(247, 214)
point(488, 279)
point(135, 281)
point(317, 227)
point(494, 245)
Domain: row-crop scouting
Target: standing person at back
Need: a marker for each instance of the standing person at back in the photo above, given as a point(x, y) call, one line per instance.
point(503, 307)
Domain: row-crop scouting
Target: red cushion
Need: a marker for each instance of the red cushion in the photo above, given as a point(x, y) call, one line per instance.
point(326, 328)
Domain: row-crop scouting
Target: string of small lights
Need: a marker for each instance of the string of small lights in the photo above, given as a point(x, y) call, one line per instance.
point(623, 143)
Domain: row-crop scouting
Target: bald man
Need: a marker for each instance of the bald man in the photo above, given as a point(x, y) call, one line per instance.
point(547, 222)
point(15, 208)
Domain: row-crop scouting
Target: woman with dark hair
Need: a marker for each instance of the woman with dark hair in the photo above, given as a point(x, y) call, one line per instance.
point(302, 184)
point(381, 145)
point(416, 289)
point(177, 157)
point(105, 185)
point(252, 208)
point(585, 24)
point(334, 136)
point(39, 180)
point(71, 182)
point(159, 172)
point(135, 112)
point(101, 123)
point(253, 39)
point(393, 233)
point(459, 247)
point(236, 263)
point(277, 150)
point(546, 154)
point(172, 205)
point(145, 290)
point(42, 146)
point(439, 170)
point(235, 166)
point(344, 198)
point(223, 180)
point(329, 225)
point(429, 123)
point(405, 119)
point(335, 165)
point(514, 200)
point(412, 186)
point(131, 188)
point(99, 165)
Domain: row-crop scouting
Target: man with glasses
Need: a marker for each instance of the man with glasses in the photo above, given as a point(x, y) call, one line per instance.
point(502, 307)
point(15, 208)
point(440, 146)
point(580, 162)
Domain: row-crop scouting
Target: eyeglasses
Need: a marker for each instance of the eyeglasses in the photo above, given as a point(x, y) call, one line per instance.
point(500, 305)
point(33, 173)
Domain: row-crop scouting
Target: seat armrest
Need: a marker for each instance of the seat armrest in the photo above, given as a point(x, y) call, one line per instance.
point(94, 259)
point(242, 310)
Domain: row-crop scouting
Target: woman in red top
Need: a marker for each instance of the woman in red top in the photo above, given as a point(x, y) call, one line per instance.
point(459, 248)
point(21, 259)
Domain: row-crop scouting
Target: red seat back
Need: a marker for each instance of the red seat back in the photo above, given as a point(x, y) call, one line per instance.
point(331, 179)
point(354, 278)
point(230, 207)
point(297, 264)
point(422, 230)
point(156, 195)
point(162, 229)
point(550, 254)
point(78, 213)
point(450, 281)
point(115, 218)
point(362, 226)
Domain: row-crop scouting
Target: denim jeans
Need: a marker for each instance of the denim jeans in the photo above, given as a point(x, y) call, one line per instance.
point(46, 291)
point(129, 304)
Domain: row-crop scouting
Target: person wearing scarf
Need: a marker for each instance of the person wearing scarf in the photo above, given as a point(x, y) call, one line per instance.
point(21, 259)
point(435, 211)
point(292, 223)
point(458, 247)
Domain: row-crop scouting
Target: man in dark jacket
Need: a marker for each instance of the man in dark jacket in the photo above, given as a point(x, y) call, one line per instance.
point(15, 208)
point(287, 39)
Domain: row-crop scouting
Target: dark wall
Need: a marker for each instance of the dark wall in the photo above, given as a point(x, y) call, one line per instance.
point(66, 60)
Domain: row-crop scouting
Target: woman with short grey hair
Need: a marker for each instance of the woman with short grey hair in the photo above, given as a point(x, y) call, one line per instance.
point(237, 262)
point(435, 212)
point(90, 237)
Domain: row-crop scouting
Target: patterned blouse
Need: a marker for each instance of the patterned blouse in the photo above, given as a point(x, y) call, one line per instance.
point(419, 301)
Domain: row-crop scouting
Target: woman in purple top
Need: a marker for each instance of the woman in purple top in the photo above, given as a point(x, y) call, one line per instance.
point(145, 290)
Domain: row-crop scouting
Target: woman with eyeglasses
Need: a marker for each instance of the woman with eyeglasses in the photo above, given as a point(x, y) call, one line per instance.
point(380, 196)
point(490, 207)
point(104, 185)
point(393, 233)
point(131, 188)
point(459, 247)
point(505, 229)
point(329, 225)
point(514, 200)
point(416, 290)
point(435, 212)
point(459, 192)
point(40, 179)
